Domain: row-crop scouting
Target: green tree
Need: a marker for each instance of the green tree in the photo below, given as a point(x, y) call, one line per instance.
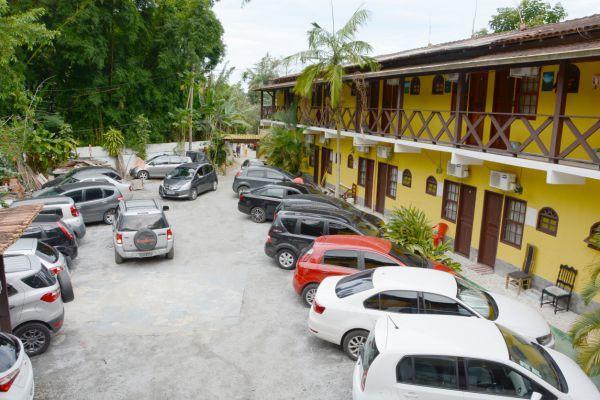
point(529, 12)
point(262, 72)
point(138, 137)
point(329, 55)
point(113, 141)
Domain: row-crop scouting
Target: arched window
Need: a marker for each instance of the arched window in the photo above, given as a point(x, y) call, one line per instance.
point(572, 78)
point(594, 237)
point(406, 178)
point(415, 85)
point(438, 85)
point(431, 186)
point(350, 161)
point(547, 221)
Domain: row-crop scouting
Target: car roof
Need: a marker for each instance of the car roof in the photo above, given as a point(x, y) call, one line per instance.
point(415, 279)
point(21, 263)
point(320, 198)
point(93, 170)
point(85, 185)
point(294, 185)
point(355, 241)
point(145, 205)
point(54, 200)
point(193, 165)
point(333, 213)
point(23, 244)
point(444, 335)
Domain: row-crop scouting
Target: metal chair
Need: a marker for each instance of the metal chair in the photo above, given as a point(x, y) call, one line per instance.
point(563, 290)
point(523, 277)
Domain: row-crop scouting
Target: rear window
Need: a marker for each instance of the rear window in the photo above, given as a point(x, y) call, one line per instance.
point(289, 224)
point(311, 227)
point(46, 252)
point(137, 222)
point(407, 258)
point(93, 194)
point(56, 211)
point(9, 352)
point(41, 279)
point(353, 284)
point(255, 173)
point(370, 352)
point(108, 192)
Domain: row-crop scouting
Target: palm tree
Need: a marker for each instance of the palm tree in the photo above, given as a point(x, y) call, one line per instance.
point(585, 333)
point(329, 55)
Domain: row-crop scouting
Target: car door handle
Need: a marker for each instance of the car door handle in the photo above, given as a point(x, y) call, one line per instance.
point(410, 395)
point(11, 307)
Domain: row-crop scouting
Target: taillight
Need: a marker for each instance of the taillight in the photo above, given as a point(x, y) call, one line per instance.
point(241, 196)
point(120, 198)
point(319, 309)
point(275, 215)
point(51, 297)
point(238, 173)
point(269, 240)
point(56, 270)
point(74, 211)
point(64, 230)
point(119, 238)
point(7, 381)
point(169, 234)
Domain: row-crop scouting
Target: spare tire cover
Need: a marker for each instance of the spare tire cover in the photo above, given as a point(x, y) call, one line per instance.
point(145, 240)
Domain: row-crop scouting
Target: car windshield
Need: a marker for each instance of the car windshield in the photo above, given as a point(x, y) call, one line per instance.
point(408, 258)
point(143, 221)
point(353, 284)
point(534, 358)
point(476, 298)
point(182, 173)
point(46, 252)
point(49, 191)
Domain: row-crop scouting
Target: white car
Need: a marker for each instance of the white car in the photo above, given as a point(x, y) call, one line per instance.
point(16, 374)
point(346, 308)
point(436, 357)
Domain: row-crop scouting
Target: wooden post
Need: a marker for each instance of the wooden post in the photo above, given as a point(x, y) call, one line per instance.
point(559, 110)
point(459, 106)
point(400, 105)
point(4, 308)
point(262, 105)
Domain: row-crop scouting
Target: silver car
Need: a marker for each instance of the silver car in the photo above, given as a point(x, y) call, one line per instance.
point(62, 206)
point(159, 166)
point(36, 307)
point(141, 230)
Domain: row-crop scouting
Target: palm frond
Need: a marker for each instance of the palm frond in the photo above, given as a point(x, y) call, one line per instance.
point(592, 287)
point(306, 79)
point(334, 76)
point(358, 19)
point(585, 334)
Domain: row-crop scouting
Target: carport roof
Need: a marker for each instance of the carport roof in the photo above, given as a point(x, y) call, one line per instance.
point(13, 221)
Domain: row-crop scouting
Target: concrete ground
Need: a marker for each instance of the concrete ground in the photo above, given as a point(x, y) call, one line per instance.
point(219, 321)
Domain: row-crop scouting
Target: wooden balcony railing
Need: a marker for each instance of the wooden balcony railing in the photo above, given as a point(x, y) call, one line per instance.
point(577, 142)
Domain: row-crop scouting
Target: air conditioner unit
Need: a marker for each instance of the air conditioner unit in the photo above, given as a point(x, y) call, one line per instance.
point(452, 77)
point(524, 72)
point(363, 149)
point(323, 139)
point(393, 82)
point(502, 180)
point(310, 139)
point(457, 170)
point(384, 152)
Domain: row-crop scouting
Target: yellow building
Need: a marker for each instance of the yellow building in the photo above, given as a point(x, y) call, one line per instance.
point(498, 137)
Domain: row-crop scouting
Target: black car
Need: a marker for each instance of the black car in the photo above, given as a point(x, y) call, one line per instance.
point(198, 156)
point(261, 203)
point(258, 176)
point(189, 180)
point(51, 230)
point(293, 232)
point(324, 201)
point(78, 174)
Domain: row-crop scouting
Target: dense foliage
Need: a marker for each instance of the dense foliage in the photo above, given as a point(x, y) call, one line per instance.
point(262, 72)
point(530, 12)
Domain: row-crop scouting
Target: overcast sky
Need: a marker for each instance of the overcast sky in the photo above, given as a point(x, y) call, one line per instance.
point(279, 26)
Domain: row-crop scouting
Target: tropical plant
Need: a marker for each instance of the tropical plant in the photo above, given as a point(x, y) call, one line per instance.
point(528, 12)
point(113, 141)
point(217, 151)
point(139, 136)
point(329, 55)
point(585, 333)
point(262, 72)
point(409, 228)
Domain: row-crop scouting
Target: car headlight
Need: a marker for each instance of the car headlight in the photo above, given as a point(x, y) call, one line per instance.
point(186, 186)
point(545, 340)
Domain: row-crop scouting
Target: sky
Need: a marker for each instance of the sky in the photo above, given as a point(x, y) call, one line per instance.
point(279, 26)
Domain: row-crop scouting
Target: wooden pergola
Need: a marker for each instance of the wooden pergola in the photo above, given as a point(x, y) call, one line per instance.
point(13, 221)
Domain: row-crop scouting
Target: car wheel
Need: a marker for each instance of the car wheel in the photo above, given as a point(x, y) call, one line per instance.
point(109, 217)
point(143, 175)
point(242, 189)
point(286, 259)
point(170, 254)
point(308, 293)
point(353, 342)
point(258, 215)
point(215, 185)
point(35, 337)
point(118, 258)
point(193, 194)
point(66, 289)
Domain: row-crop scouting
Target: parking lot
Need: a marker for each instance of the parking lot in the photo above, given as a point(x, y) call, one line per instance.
point(219, 321)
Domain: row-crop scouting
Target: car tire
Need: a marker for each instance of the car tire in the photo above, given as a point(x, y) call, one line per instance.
point(35, 337)
point(353, 342)
point(69, 261)
point(171, 254)
point(308, 293)
point(258, 215)
point(143, 175)
point(109, 217)
point(215, 185)
point(118, 258)
point(242, 189)
point(286, 259)
point(66, 288)
point(193, 194)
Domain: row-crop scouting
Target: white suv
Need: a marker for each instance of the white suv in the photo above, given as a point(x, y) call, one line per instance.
point(429, 357)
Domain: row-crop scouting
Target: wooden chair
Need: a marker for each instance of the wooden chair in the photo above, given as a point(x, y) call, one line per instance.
point(523, 277)
point(563, 290)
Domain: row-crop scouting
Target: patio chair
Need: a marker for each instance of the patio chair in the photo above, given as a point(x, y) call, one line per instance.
point(563, 290)
point(523, 277)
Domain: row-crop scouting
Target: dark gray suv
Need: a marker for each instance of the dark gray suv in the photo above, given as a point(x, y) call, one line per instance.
point(254, 177)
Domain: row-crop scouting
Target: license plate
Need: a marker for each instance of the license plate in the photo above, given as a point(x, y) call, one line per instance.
point(169, 191)
point(147, 254)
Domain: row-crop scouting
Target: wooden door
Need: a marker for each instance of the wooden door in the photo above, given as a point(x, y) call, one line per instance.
point(476, 102)
point(464, 222)
point(490, 228)
point(369, 185)
point(382, 177)
point(316, 164)
point(324, 162)
point(388, 106)
point(504, 89)
point(372, 119)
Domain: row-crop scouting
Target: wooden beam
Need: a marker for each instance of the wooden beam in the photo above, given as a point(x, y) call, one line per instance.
point(4, 308)
point(262, 105)
point(400, 104)
point(559, 110)
point(459, 106)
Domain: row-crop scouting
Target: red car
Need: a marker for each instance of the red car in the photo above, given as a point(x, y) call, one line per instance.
point(348, 254)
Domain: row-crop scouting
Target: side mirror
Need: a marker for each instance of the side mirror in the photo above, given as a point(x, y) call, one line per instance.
point(536, 396)
point(165, 208)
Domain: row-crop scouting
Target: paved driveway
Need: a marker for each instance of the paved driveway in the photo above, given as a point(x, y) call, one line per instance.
point(219, 321)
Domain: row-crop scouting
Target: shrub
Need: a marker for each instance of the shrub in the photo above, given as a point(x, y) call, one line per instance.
point(113, 141)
